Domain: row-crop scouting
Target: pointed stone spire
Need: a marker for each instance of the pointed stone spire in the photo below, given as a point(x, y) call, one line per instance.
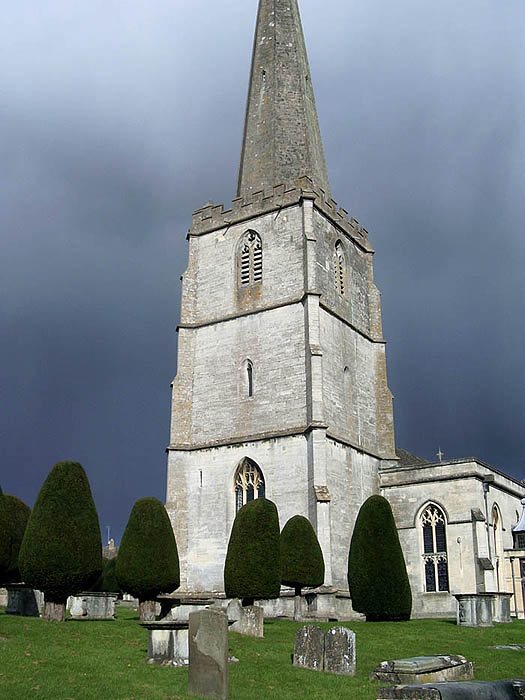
point(282, 140)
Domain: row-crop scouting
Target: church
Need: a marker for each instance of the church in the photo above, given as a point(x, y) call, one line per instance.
point(281, 388)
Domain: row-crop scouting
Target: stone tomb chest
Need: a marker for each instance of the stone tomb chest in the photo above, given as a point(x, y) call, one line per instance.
point(425, 669)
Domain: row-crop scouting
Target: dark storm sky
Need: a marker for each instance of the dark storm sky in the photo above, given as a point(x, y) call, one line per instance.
point(118, 118)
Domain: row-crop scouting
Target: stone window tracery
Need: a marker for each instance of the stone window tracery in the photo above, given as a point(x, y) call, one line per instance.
point(250, 259)
point(339, 268)
point(435, 556)
point(249, 483)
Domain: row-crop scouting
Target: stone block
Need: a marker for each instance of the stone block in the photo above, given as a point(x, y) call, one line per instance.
point(501, 607)
point(425, 669)
point(475, 609)
point(208, 654)
point(309, 648)
point(167, 642)
point(339, 651)
point(248, 620)
point(467, 690)
point(93, 606)
point(23, 600)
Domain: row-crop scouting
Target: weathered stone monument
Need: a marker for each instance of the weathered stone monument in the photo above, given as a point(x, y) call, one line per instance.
point(339, 651)
point(475, 609)
point(309, 648)
point(425, 669)
point(168, 642)
point(466, 690)
point(93, 605)
point(248, 619)
point(24, 600)
point(208, 654)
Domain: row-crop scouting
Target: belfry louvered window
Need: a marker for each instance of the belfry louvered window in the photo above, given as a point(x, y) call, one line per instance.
point(339, 268)
point(249, 483)
point(435, 549)
point(250, 259)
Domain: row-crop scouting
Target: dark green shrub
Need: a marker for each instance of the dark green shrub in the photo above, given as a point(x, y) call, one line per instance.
point(302, 562)
point(377, 575)
point(4, 538)
point(61, 553)
point(107, 581)
point(148, 562)
point(17, 516)
point(253, 568)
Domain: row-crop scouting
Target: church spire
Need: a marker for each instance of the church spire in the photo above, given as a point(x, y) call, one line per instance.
point(282, 140)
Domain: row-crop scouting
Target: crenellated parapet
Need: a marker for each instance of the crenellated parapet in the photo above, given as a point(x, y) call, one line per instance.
point(211, 217)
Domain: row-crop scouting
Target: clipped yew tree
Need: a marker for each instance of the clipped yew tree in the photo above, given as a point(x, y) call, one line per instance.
point(148, 561)
point(4, 538)
point(377, 575)
point(17, 517)
point(61, 553)
point(253, 568)
point(302, 563)
point(107, 581)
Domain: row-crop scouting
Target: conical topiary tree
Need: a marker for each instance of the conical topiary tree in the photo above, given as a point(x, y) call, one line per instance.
point(302, 562)
point(4, 538)
point(377, 575)
point(107, 581)
point(148, 562)
point(253, 568)
point(61, 553)
point(17, 517)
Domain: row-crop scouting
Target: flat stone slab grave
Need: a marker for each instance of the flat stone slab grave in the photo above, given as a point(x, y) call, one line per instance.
point(168, 642)
point(425, 669)
point(466, 690)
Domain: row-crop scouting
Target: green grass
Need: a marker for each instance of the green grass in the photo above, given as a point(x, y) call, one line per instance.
point(106, 660)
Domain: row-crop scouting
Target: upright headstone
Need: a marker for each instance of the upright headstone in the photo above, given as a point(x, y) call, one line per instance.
point(309, 648)
point(208, 654)
point(339, 651)
point(249, 619)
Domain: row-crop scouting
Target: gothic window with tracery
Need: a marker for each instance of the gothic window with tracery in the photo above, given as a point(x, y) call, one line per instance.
point(435, 549)
point(250, 259)
point(339, 268)
point(249, 483)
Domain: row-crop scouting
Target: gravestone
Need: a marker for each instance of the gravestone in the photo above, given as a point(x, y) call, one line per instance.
point(24, 600)
point(474, 609)
point(167, 642)
point(425, 669)
point(248, 619)
point(339, 651)
point(309, 648)
point(208, 654)
point(466, 690)
point(93, 606)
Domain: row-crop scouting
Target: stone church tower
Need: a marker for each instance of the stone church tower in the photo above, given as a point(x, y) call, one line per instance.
point(281, 387)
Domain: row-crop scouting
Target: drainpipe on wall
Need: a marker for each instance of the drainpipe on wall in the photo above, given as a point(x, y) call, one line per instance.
point(486, 486)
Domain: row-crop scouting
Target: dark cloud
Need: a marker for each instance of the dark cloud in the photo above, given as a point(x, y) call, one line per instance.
point(118, 119)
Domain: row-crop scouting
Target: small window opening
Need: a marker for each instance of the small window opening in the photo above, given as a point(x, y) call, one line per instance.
point(250, 259)
point(339, 268)
point(249, 372)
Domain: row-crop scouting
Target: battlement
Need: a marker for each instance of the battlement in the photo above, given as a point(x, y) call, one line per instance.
point(211, 217)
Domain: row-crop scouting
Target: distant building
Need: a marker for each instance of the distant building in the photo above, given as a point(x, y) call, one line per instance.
point(281, 388)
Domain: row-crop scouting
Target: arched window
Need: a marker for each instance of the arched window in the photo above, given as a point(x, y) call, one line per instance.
point(433, 528)
point(249, 483)
point(339, 268)
point(247, 379)
point(498, 541)
point(250, 259)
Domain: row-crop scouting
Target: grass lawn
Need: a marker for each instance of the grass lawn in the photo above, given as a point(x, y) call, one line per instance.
point(106, 660)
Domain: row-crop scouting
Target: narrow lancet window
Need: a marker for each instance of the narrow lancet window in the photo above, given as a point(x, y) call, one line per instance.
point(250, 259)
point(249, 483)
point(435, 549)
point(339, 268)
point(249, 377)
